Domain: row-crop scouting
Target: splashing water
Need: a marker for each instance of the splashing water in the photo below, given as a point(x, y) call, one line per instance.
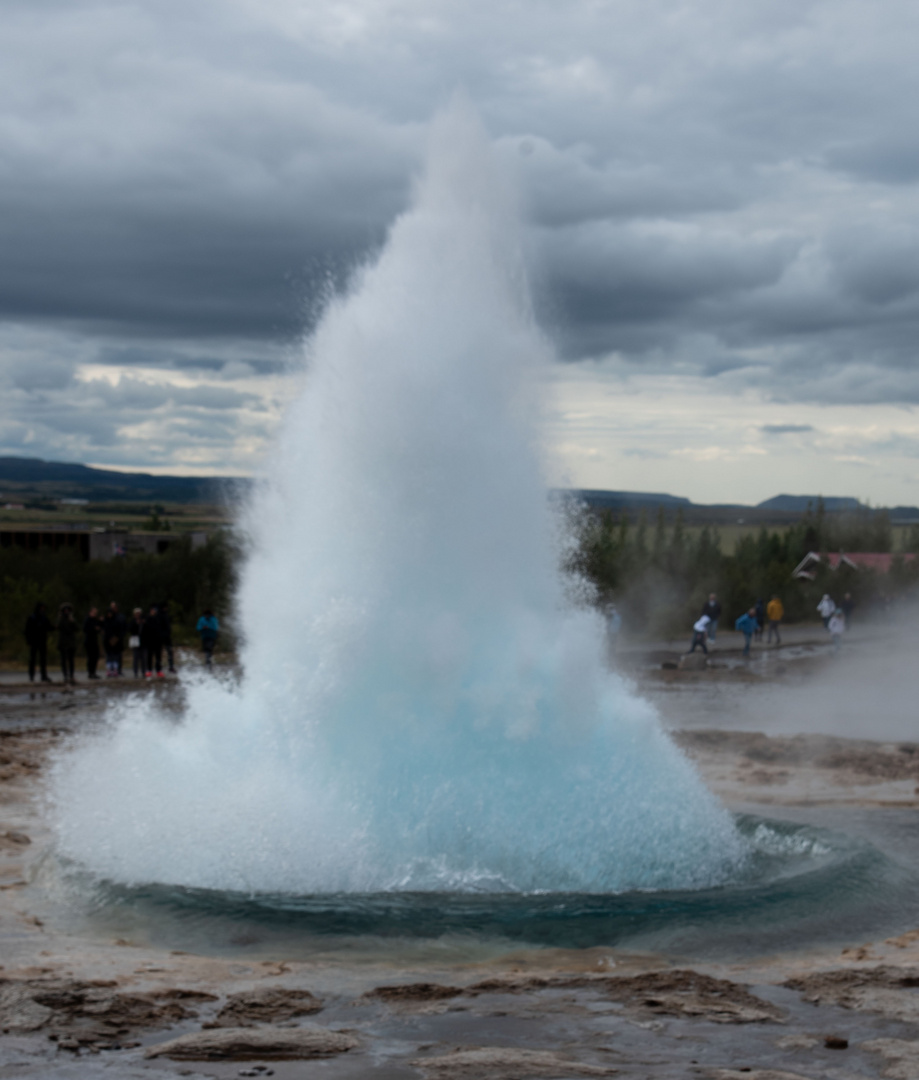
point(421, 707)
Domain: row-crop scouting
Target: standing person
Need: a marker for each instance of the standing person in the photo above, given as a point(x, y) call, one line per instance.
point(837, 626)
point(113, 627)
point(747, 624)
point(136, 643)
point(208, 627)
point(848, 606)
point(38, 627)
point(760, 609)
point(775, 612)
point(826, 607)
point(713, 610)
point(699, 633)
point(166, 631)
point(92, 624)
point(67, 642)
point(151, 638)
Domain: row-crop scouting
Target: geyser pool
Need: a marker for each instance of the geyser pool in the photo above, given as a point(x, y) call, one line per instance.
point(423, 706)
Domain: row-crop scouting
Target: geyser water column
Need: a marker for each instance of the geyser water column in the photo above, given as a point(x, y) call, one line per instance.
point(421, 707)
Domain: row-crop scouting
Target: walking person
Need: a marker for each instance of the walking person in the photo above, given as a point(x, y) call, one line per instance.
point(713, 610)
point(38, 627)
point(208, 627)
point(113, 633)
point(92, 624)
point(67, 643)
point(136, 643)
point(848, 606)
point(151, 637)
point(775, 612)
point(836, 625)
point(760, 609)
point(826, 608)
point(700, 633)
point(747, 624)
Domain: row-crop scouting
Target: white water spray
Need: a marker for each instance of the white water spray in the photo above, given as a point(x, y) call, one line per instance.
point(421, 708)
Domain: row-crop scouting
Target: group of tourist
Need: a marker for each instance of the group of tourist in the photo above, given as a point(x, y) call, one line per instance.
point(148, 636)
point(752, 622)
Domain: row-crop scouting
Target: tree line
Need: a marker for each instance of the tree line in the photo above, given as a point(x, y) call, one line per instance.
point(190, 580)
point(659, 575)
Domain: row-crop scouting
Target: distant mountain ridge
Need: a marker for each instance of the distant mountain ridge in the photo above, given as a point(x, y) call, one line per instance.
point(34, 478)
point(798, 504)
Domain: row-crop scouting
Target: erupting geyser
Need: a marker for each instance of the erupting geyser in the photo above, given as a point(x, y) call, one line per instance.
point(421, 706)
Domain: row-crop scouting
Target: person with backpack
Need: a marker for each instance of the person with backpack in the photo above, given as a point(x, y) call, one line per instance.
point(747, 624)
point(208, 627)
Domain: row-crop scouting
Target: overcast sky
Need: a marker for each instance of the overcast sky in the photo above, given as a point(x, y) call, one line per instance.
point(721, 208)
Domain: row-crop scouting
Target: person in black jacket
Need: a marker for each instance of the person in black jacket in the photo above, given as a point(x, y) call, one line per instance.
point(38, 627)
point(166, 630)
point(113, 626)
point(92, 624)
point(713, 610)
point(151, 637)
point(67, 642)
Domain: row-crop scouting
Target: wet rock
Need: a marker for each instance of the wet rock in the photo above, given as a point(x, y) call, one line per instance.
point(689, 993)
point(881, 989)
point(693, 662)
point(797, 1042)
point(754, 1074)
point(836, 1042)
point(13, 839)
point(266, 1005)
point(506, 1063)
point(19, 1012)
point(901, 1055)
point(248, 1043)
point(411, 993)
point(670, 665)
point(674, 993)
point(92, 1012)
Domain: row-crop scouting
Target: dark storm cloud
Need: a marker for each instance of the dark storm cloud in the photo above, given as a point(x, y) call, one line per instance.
point(726, 190)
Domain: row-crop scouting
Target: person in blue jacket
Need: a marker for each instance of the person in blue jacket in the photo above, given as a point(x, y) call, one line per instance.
point(208, 627)
point(747, 625)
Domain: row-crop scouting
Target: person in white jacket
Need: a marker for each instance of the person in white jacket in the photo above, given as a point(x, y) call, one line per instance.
point(826, 607)
point(836, 624)
point(700, 633)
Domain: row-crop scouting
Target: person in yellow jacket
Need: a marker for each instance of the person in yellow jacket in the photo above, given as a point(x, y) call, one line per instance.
point(775, 612)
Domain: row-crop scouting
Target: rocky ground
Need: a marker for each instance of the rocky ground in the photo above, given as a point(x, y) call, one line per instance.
point(75, 1004)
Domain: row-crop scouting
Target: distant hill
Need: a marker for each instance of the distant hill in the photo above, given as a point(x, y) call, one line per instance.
point(31, 478)
point(620, 500)
point(797, 504)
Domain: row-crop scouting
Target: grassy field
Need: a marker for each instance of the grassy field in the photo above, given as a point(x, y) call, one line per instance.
point(730, 535)
point(180, 517)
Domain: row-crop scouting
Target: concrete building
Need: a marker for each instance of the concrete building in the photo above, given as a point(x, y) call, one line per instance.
point(92, 544)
